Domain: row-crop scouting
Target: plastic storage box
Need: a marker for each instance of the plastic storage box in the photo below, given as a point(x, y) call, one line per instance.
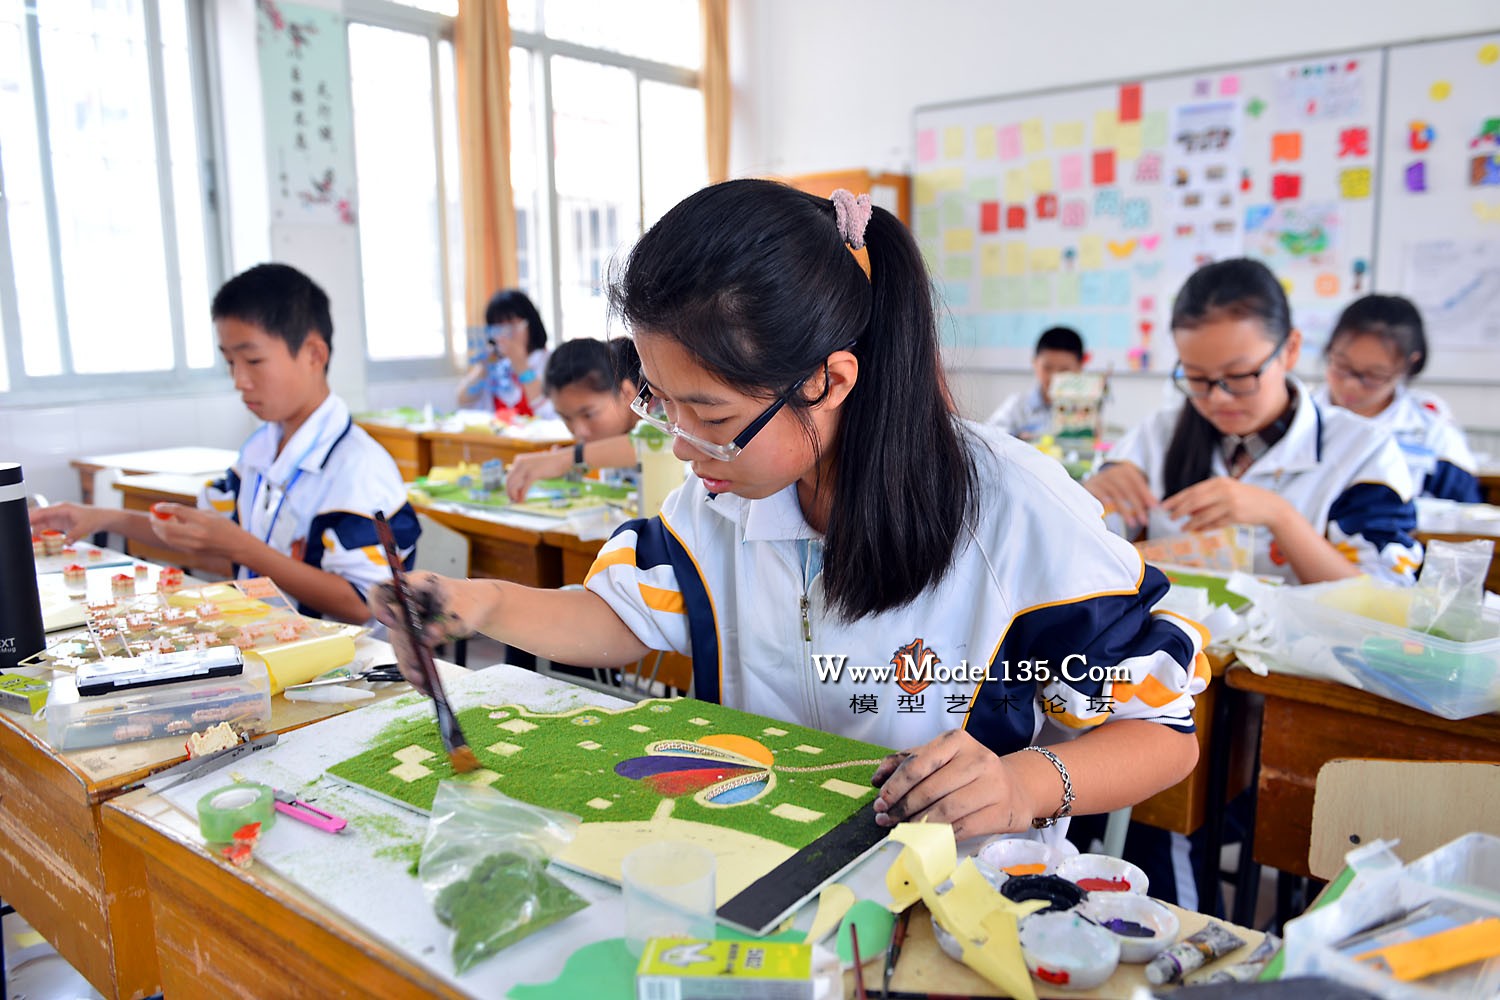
point(1318, 634)
point(78, 723)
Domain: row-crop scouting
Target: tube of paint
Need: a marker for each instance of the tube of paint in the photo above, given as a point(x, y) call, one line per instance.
point(1191, 953)
point(1250, 969)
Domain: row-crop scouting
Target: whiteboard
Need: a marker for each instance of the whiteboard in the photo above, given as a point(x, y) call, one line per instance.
point(1439, 240)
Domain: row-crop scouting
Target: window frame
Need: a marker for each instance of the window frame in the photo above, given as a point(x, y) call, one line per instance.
point(71, 386)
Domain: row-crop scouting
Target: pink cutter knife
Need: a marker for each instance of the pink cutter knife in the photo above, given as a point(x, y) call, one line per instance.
point(311, 815)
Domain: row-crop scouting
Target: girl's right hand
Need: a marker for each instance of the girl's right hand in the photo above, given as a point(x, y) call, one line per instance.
point(446, 608)
point(1123, 488)
point(532, 466)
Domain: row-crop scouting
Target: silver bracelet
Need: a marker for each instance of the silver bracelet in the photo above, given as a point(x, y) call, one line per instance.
point(1066, 809)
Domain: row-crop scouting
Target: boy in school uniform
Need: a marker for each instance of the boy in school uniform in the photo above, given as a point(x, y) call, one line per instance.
point(1029, 415)
point(297, 505)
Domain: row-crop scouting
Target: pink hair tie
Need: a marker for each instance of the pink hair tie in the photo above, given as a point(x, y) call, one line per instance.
point(852, 215)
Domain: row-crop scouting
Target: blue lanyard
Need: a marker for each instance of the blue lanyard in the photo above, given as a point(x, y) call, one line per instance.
point(260, 479)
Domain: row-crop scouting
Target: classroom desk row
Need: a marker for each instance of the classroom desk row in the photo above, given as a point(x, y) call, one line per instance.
point(417, 451)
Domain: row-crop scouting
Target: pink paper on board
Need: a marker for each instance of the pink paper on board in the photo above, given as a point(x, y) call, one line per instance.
point(927, 145)
point(1009, 137)
point(1229, 85)
point(1070, 171)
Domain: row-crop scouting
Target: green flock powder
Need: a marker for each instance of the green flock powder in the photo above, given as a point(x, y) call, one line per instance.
point(505, 898)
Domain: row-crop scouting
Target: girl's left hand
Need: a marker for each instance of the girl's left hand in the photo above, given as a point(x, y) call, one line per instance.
point(953, 779)
point(1215, 503)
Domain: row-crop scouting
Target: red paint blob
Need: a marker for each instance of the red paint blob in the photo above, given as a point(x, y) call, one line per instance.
point(1104, 884)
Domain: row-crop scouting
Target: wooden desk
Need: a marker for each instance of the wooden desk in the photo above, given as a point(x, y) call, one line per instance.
point(502, 551)
point(411, 449)
point(1489, 486)
point(177, 461)
point(453, 447)
point(81, 886)
point(1307, 723)
point(140, 492)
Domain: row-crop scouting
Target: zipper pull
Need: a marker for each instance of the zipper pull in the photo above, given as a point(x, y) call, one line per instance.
point(806, 621)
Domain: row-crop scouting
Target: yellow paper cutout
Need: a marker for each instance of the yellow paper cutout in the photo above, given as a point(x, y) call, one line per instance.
point(984, 142)
point(1326, 284)
point(1090, 252)
point(1015, 185)
point(953, 142)
point(1046, 258)
point(1487, 213)
point(959, 241)
point(1128, 140)
point(1440, 90)
point(1355, 183)
point(1067, 135)
point(833, 902)
point(1039, 176)
point(1489, 54)
point(926, 189)
point(991, 260)
point(1106, 125)
point(1015, 258)
point(1033, 136)
point(1122, 250)
point(931, 854)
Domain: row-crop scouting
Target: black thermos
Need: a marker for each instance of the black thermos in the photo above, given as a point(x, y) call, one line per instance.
point(21, 633)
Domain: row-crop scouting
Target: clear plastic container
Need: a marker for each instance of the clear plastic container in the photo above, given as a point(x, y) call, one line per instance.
point(79, 723)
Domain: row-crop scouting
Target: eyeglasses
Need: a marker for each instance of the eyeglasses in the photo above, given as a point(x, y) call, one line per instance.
point(1199, 387)
point(654, 412)
point(1368, 380)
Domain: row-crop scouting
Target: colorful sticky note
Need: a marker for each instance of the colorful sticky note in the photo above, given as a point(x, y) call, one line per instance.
point(1104, 166)
point(991, 260)
point(926, 189)
point(927, 222)
point(1419, 136)
point(958, 241)
point(1489, 53)
point(1091, 289)
point(1130, 102)
point(991, 293)
point(1067, 135)
point(1203, 87)
point(1105, 123)
point(1286, 186)
point(1013, 292)
point(1326, 285)
point(1416, 177)
point(1136, 213)
point(1039, 291)
point(1354, 142)
point(1229, 85)
point(1487, 213)
point(1015, 185)
point(1046, 258)
point(1286, 147)
point(989, 217)
point(955, 211)
point(1067, 290)
point(1090, 252)
point(1256, 216)
point(1008, 138)
point(1073, 214)
point(926, 145)
point(953, 142)
point(984, 142)
point(1355, 182)
point(1128, 141)
point(984, 189)
point(1015, 216)
point(1070, 172)
point(1033, 136)
point(1148, 169)
point(1039, 175)
point(1440, 90)
point(1015, 258)
point(1117, 288)
point(1154, 129)
point(1046, 206)
point(960, 268)
point(1107, 202)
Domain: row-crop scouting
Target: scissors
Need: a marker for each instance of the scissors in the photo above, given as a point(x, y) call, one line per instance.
point(384, 673)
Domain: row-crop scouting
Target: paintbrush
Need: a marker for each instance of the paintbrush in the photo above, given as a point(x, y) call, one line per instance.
point(459, 754)
point(859, 972)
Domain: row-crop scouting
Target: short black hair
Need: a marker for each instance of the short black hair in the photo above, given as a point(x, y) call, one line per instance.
point(1061, 338)
point(279, 299)
point(512, 303)
point(1396, 321)
point(601, 366)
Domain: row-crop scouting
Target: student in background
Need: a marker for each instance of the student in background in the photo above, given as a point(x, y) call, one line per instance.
point(509, 376)
point(1378, 346)
point(1329, 498)
point(1029, 415)
point(590, 384)
point(297, 504)
point(839, 509)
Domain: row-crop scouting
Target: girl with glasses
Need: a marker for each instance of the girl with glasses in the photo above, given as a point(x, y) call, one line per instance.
point(1327, 495)
point(841, 516)
point(1377, 347)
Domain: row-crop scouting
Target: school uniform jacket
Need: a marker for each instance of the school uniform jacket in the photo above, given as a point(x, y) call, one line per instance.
point(1026, 415)
point(315, 501)
point(1037, 578)
point(1437, 455)
point(1343, 474)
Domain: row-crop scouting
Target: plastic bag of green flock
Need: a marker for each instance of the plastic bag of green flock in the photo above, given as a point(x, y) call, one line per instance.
point(484, 868)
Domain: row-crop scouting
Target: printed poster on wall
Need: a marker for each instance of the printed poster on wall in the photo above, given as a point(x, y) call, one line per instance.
point(1203, 213)
point(1456, 284)
point(304, 77)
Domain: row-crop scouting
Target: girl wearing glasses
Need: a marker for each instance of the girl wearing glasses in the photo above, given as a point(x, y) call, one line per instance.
point(1377, 347)
point(1328, 496)
point(840, 515)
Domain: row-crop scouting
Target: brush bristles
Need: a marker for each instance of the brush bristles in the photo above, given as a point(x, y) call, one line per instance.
point(463, 760)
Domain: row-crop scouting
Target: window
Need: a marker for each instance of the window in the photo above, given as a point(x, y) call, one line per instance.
point(406, 160)
point(612, 90)
point(109, 244)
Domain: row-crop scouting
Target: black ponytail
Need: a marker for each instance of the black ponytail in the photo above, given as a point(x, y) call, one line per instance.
point(1233, 289)
point(753, 278)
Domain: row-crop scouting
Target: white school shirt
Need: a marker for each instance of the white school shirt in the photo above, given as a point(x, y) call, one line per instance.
point(315, 501)
point(1437, 454)
point(1347, 477)
point(1038, 578)
point(1026, 415)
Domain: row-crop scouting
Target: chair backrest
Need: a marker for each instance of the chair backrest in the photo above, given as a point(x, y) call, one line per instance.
point(441, 550)
point(1424, 804)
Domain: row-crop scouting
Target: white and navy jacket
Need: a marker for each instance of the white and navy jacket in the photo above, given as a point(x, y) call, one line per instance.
point(1037, 580)
point(1346, 476)
point(316, 500)
point(1437, 455)
point(1026, 415)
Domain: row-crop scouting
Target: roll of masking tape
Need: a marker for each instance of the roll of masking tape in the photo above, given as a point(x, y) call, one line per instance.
point(225, 810)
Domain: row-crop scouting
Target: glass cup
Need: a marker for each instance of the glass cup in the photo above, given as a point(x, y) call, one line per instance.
point(669, 892)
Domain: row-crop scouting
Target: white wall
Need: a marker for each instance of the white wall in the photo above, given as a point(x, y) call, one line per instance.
point(832, 85)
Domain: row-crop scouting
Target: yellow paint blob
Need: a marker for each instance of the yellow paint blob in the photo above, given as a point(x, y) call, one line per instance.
point(1440, 90)
point(1489, 54)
